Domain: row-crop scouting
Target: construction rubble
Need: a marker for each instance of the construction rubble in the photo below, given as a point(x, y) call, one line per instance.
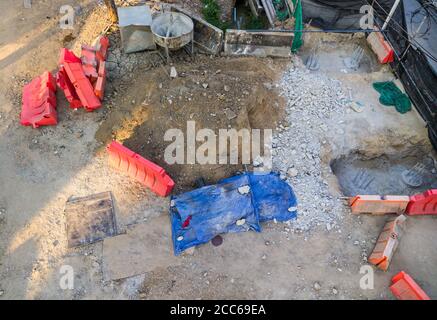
point(327, 202)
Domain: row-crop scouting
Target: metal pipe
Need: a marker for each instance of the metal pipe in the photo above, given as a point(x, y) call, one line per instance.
point(391, 13)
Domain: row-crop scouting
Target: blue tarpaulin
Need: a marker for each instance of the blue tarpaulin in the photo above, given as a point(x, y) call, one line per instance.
point(235, 204)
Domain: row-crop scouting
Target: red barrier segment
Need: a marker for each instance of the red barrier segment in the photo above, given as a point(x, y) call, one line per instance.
point(381, 47)
point(423, 204)
point(82, 84)
point(39, 102)
point(405, 288)
point(387, 243)
point(145, 171)
point(69, 91)
point(89, 63)
point(99, 87)
point(375, 204)
point(102, 49)
point(67, 56)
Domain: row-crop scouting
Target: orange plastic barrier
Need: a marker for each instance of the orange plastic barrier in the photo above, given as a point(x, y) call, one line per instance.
point(381, 47)
point(145, 171)
point(378, 204)
point(387, 243)
point(405, 288)
point(83, 86)
point(39, 102)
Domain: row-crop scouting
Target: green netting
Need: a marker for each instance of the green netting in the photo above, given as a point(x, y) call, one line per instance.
point(297, 41)
point(391, 95)
point(281, 10)
point(282, 13)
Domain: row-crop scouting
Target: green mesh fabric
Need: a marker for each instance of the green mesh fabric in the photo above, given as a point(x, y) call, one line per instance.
point(297, 41)
point(281, 10)
point(391, 95)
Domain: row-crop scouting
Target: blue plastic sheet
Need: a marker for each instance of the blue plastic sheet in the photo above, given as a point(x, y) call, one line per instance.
point(235, 204)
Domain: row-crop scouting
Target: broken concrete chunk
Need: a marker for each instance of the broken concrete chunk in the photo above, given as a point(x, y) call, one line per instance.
point(258, 43)
point(90, 219)
point(146, 247)
point(230, 114)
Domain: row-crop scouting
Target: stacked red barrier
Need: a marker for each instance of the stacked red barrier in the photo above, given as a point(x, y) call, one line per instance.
point(39, 102)
point(83, 79)
point(145, 171)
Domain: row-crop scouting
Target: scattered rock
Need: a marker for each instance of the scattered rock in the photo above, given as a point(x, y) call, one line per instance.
point(314, 109)
point(173, 72)
point(190, 251)
point(334, 291)
point(240, 222)
point(230, 114)
point(317, 286)
point(217, 241)
point(292, 172)
point(258, 161)
point(244, 189)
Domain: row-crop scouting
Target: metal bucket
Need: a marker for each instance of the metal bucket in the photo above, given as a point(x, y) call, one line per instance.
point(172, 30)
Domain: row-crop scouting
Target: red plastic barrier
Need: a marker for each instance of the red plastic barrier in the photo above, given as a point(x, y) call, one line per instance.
point(423, 204)
point(89, 63)
point(381, 47)
point(69, 91)
point(67, 56)
point(405, 288)
point(145, 171)
point(82, 84)
point(99, 87)
point(39, 102)
point(102, 51)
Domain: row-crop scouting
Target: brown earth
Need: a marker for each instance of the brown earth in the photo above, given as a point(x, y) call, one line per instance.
point(40, 169)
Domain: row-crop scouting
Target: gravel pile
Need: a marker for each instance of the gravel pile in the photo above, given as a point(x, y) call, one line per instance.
point(313, 99)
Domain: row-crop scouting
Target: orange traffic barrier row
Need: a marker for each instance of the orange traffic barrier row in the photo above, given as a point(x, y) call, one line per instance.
point(405, 288)
point(378, 204)
point(145, 171)
point(387, 243)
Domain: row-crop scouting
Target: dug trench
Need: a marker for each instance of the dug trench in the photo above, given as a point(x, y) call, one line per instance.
point(217, 93)
point(408, 171)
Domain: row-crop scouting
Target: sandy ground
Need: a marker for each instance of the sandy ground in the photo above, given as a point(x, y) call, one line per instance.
point(40, 169)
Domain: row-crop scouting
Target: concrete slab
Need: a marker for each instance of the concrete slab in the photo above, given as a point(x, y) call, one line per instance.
point(146, 247)
point(258, 43)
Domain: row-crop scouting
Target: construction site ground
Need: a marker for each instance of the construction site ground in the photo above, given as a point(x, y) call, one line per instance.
point(318, 256)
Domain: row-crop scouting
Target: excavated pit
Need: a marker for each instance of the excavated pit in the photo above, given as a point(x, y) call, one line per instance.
point(404, 173)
